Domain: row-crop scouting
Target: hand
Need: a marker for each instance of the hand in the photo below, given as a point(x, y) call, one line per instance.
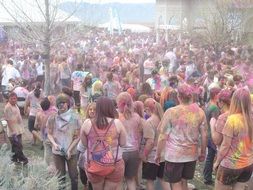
point(202, 157)
point(68, 155)
point(143, 158)
point(57, 147)
point(157, 159)
point(212, 121)
point(26, 113)
point(215, 166)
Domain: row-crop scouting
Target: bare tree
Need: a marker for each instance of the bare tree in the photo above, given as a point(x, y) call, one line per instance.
point(38, 21)
point(220, 23)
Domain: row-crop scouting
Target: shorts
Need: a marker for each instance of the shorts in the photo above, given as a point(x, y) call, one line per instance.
point(76, 96)
point(229, 176)
point(132, 161)
point(174, 172)
point(150, 170)
point(115, 176)
point(31, 122)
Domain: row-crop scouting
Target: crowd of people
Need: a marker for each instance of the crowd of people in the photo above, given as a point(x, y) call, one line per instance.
point(126, 108)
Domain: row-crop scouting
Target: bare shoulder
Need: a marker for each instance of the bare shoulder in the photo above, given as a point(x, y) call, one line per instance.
point(86, 126)
point(118, 124)
point(7, 106)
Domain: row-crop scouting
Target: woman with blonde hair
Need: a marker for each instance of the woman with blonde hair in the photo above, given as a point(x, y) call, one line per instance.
point(90, 114)
point(235, 157)
point(96, 90)
point(150, 170)
point(133, 125)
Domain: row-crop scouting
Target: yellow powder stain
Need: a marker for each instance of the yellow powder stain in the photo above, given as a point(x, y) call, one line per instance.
point(109, 140)
point(241, 146)
point(236, 121)
point(192, 118)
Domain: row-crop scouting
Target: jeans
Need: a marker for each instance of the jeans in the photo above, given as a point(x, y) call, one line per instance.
point(17, 150)
point(208, 169)
point(60, 161)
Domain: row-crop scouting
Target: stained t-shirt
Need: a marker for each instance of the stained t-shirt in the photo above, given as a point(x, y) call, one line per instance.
point(240, 153)
point(184, 123)
point(65, 129)
point(112, 89)
point(221, 121)
point(34, 103)
point(133, 128)
point(78, 77)
point(150, 131)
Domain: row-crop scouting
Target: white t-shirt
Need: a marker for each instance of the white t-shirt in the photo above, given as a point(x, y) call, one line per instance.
point(34, 102)
point(9, 73)
point(148, 67)
point(172, 57)
point(39, 68)
point(21, 92)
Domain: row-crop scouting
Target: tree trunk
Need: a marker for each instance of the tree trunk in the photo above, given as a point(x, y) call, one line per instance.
point(47, 49)
point(47, 68)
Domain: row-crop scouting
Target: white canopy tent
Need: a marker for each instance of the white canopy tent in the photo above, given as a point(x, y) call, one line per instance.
point(132, 27)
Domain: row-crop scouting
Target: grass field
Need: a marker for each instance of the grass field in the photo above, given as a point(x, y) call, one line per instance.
point(35, 152)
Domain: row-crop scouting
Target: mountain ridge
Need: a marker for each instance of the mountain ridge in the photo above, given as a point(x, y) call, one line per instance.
point(100, 13)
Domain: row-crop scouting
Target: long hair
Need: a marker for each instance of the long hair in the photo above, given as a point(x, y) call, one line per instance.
point(87, 82)
point(146, 89)
point(124, 99)
point(165, 95)
point(90, 105)
point(241, 103)
point(154, 107)
point(173, 96)
point(139, 108)
point(104, 108)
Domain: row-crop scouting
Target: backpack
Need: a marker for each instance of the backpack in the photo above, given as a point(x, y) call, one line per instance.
point(103, 161)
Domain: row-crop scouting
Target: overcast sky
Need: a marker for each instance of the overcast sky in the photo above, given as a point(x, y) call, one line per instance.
point(119, 1)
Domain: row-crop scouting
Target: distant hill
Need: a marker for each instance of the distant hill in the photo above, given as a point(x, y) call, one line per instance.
point(99, 13)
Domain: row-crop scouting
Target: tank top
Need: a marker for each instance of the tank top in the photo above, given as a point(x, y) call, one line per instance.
point(112, 138)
